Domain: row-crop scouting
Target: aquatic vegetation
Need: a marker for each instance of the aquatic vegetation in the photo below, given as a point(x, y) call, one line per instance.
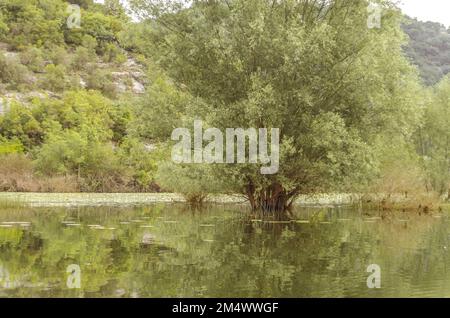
point(11, 203)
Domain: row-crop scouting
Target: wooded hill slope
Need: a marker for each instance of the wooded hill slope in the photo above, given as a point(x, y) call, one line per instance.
point(428, 48)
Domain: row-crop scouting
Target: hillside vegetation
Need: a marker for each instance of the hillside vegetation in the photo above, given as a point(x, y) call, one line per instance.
point(428, 48)
point(67, 98)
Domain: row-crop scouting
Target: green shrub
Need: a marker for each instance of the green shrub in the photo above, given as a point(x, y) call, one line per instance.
point(35, 23)
point(121, 58)
point(142, 162)
point(18, 123)
point(55, 78)
point(3, 27)
point(101, 80)
point(89, 43)
point(81, 58)
point(59, 56)
point(10, 146)
point(95, 163)
point(194, 182)
point(13, 73)
point(97, 25)
point(62, 153)
point(33, 58)
point(114, 54)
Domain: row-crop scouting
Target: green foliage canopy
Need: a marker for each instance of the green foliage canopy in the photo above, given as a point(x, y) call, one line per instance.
point(312, 69)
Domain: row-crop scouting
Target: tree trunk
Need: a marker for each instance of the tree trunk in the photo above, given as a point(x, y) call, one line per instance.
point(272, 201)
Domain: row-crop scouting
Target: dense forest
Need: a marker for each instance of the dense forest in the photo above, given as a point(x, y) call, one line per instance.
point(92, 108)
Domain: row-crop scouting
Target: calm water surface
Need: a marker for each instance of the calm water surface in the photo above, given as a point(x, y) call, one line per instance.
point(168, 251)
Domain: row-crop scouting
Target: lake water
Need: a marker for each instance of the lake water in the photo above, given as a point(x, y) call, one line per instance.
point(169, 251)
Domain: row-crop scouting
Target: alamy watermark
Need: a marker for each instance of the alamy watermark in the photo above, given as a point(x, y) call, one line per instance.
point(374, 19)
point(74, 277)
point(235, 146)
point(74, 19)
point(5, 280)
point(374, 279)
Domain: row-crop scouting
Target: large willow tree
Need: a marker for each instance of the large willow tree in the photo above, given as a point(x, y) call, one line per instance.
point(314, 69)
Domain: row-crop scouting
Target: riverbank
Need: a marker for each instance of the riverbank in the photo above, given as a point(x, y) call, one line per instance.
point(130, 199)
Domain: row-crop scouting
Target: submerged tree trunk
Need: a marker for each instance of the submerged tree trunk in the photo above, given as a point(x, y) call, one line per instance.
point(273, 201)
point(195, 200)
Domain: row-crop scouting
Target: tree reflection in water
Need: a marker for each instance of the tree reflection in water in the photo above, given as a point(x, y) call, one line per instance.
point(167, 251)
